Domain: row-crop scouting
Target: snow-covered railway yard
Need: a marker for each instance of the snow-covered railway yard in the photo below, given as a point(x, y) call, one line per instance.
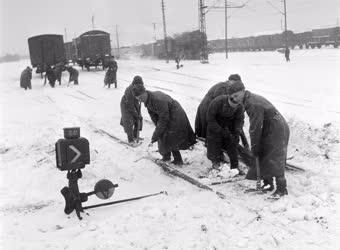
point(306, 91)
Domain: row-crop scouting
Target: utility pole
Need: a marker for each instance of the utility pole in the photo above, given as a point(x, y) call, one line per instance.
point(226, 7)
point(203, 31)
point(226, 28)
point(92, 20)
point(285, 14)
point(154, 31)
point(65, 35)
point(155, 39)
point(165, 35)
point(117, 39)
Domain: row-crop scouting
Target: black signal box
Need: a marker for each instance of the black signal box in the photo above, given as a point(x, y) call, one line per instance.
point(73, 152)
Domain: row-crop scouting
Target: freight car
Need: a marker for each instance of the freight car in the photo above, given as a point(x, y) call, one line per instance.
point(325, 37)
point(92, 48)
point(46, 50)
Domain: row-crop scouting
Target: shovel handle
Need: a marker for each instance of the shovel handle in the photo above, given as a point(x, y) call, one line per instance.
point(258, 174)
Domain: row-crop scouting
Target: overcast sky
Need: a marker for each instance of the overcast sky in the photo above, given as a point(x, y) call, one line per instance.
point(21, 19)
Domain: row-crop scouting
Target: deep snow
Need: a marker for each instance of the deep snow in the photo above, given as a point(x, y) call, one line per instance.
point(306, 92)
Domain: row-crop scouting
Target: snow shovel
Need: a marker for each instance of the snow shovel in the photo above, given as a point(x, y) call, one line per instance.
point(258, 188)
point(138, 129)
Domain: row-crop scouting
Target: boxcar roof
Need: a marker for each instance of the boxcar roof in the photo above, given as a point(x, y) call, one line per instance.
point(94, 32)
point(45, 35)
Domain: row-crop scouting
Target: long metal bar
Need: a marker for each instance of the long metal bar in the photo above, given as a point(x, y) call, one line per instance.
point(125, 200)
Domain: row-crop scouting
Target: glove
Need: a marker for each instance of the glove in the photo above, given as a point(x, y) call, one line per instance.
point(236, 138)
point(255, 151)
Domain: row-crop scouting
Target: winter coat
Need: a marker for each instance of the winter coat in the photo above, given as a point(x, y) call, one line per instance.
point(25, 79)
point(269, 135)
point(130, 110)
point(110, 76)
point(200, 121)
point(173, 130)
point(113, 65)
point(287, 52)
point(73, 75)
point(221, 117)
point(225, 124)
point(58, 70)
point(50, 75)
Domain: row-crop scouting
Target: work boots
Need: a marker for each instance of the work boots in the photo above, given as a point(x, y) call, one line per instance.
point(166, 157)
point(281, 187)
point(268, 185)
point(177, 158)
point(216, 165)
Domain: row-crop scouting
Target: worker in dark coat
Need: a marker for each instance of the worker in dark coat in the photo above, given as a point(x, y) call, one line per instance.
point(74, 74)
point(111, 73)
point(51, 77)
point(225, 122)
point(173, 130)
point(287, 53)
point(131, 111)
point(25, 78)
point(58, 70)
point(216, 90)
point(269, 134)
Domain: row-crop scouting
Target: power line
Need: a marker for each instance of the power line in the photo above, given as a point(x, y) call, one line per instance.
point(275, 7)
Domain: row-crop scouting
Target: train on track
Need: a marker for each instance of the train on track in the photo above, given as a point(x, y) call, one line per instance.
point(90, 49)
point(310, 39)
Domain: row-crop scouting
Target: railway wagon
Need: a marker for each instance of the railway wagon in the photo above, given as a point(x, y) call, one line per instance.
point(46, 50)
point(93, 47)
point(327, 36)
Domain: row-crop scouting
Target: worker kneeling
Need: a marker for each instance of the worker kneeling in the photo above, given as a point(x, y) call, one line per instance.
point(225, 123)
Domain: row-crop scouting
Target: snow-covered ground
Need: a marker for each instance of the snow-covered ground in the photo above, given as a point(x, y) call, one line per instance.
point(306, 91)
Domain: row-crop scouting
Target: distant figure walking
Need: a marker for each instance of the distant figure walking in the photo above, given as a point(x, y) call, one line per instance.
point(25, 78)
point(178, 59)
point(111, 73)
point(73, 75)
point(287, 53)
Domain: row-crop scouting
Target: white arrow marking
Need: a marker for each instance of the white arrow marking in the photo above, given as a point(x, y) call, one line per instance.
point(78, 154)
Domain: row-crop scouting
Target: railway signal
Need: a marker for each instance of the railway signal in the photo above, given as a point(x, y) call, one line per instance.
point(72, 154)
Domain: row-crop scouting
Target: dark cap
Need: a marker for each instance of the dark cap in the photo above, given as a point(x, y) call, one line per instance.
point(236, 86)
point(234, 77)
point(137, 80)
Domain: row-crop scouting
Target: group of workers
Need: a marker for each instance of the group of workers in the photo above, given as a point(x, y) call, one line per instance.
point(219, 122)
point(53, 74)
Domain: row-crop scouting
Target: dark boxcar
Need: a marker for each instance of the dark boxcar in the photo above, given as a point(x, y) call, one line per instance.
point(46, 50)
point(328, 36)
point(93, 46)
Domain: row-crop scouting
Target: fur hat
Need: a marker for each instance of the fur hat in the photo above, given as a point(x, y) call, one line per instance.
point(236, 86)
point(138, 90)
point(137, 80)
point(234, 77)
